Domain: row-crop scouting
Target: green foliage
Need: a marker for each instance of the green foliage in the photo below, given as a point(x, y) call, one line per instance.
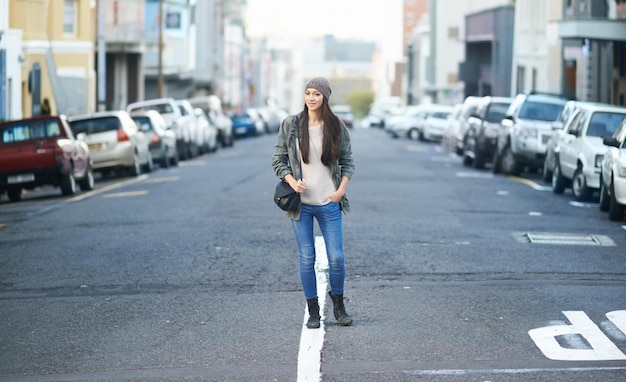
point(360, 101)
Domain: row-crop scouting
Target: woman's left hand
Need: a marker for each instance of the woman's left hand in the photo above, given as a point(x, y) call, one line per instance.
point(335, 196)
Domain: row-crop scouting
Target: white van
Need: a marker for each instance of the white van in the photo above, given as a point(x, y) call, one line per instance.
point(176, 121)
point(212, 106)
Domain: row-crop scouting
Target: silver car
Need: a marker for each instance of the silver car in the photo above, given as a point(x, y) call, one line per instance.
point(114, 140)
point(162, 138)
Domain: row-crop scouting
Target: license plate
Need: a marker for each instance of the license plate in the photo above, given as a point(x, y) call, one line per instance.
point(21, 178)
point(95, 146)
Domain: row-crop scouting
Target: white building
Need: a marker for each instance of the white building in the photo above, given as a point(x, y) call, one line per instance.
point(537, 48)
point(10, 67)
point(439, 47)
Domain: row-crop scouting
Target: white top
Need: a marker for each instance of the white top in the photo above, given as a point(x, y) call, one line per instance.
point(318, 178)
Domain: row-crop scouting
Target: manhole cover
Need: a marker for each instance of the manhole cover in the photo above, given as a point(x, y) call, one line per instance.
point(564, 238)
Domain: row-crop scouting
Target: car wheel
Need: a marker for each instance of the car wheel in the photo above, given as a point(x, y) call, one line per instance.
point(558, 181)
point(616, 210)
point(68, 183)
point(604, 198)
point(14, 194)
point(414, 134)
point(468, 147)
point(175, 159)
point(135, 168)
point(582, 193)
point(496, 162)
point(149, 165)
point(508, 164)
point(479, 159)
point(87, 183)
point(546, 174)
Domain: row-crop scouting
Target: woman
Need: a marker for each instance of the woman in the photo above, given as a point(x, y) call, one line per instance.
point(313, 155)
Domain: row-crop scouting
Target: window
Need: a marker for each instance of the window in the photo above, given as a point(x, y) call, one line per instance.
point(69, 17)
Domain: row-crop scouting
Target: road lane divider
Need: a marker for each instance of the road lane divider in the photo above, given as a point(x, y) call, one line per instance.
point(312, 340)
point(107, 188)
point(125, 194)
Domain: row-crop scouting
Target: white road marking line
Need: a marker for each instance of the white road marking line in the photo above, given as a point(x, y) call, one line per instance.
point(530, 183)
point(485, 175)
point(124, 194)
point(312, 340)
point(107, 188)
point(511, 371)
point(165, 179)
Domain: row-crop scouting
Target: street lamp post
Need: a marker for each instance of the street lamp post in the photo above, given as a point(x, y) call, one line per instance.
point(160, 66)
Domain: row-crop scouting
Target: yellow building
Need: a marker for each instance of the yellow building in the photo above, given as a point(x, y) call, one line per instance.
point(58, 38)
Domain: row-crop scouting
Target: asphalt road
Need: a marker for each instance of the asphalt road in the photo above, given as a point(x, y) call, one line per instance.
point(191, 273)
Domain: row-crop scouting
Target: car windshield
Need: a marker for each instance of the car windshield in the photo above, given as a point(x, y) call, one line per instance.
point(162, 108)
point(603, 124)
point(496, 111)
point(95, 125)
point(143, 123)
point(541, 111)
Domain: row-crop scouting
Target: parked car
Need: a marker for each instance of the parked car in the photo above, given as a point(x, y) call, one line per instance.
point(456, 137)
point(196, 136)
point(169, 109)
point(481, 136)
point(42, 151)
point(270, 117)
point(613, 175)
point(258, 121)
point(558, 132)
point(407, 124)
point(212, 106)
point(344, 112)
point(209, 129)
point(448, 142)
point(524, 132)
point(579, 154)
point(244, 125)
point(114, 140)
point(435, 122)
point(162, 138)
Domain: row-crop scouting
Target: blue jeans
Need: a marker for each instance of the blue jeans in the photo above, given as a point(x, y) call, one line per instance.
point(329, 220)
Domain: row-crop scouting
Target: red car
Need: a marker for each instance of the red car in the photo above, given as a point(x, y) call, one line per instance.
point(42, 151)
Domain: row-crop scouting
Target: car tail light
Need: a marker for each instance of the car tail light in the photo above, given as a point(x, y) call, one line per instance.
point(121, 135)
point(156, 139)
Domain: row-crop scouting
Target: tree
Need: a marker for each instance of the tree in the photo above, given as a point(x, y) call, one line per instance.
point(360, 101)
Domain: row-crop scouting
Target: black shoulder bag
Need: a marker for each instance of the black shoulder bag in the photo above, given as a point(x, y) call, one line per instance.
point(285, 197)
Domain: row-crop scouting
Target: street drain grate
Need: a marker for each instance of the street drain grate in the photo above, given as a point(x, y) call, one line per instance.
point(564, 238)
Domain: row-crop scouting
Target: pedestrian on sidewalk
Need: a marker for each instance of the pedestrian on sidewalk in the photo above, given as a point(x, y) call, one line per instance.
point(314, 156)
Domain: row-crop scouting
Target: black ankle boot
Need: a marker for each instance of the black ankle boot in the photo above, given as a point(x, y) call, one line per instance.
point(314, 313)
point(340, 311)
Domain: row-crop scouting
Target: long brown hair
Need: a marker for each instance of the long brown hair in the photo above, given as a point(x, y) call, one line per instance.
point(331, 138)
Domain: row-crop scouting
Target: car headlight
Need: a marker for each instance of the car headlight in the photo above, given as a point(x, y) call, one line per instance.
point(621, 170)
point(598, 162)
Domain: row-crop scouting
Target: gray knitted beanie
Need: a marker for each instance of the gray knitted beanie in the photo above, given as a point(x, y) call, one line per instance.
point(321, 84)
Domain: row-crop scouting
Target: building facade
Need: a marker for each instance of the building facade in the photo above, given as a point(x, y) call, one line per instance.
point(593, 35)
point(486, 70)
point(57, 55)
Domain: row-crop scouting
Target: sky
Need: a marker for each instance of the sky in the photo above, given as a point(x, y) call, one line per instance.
point(378, 20)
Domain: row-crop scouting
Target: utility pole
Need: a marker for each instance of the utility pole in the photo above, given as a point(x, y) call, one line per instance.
point(160, 68)
point(101, 59)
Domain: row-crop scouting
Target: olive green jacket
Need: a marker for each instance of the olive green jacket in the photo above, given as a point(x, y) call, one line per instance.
point(285, 159)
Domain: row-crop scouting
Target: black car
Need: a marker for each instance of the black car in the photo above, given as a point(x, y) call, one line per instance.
point(482, 133)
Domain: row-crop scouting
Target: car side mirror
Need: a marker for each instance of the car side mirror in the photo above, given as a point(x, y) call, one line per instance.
point(610, 141)
point(81, 136)
point(557, 125)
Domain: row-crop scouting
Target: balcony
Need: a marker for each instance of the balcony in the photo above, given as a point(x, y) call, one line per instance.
point(595, 29)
